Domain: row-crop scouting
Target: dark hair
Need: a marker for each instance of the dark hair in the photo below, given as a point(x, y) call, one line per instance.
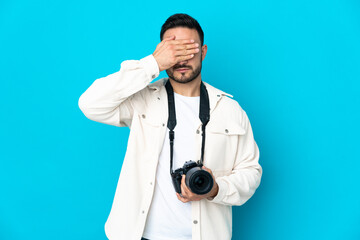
point(182, 20)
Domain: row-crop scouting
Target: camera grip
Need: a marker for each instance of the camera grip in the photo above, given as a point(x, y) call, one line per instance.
point(176, 180)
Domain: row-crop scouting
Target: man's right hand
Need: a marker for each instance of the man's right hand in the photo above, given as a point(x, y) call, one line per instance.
point(170, 51)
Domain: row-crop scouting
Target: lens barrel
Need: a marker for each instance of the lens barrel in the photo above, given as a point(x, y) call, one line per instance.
point(199, 181)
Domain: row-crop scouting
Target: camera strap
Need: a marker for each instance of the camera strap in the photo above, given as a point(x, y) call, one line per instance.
point(204, 115)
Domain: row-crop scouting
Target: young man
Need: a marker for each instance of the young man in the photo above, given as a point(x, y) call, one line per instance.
point(146, 205)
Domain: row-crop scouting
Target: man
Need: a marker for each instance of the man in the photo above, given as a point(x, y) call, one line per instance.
point(146, 205)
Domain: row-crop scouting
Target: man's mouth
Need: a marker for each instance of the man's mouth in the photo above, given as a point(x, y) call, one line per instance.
point(182, 69)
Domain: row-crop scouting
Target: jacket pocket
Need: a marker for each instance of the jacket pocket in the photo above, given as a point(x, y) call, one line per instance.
point(149, 119)
point(228, 128)
point(221, 145)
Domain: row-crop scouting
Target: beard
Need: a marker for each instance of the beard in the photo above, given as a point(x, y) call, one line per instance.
point(185, 77)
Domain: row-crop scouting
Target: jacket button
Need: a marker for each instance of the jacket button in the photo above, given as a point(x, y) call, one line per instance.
point(158, 98)
point(195, 221)
point(143, 211)
point(163, 124)
point(227, 131)
point(197, 131)
point(218, 95)
point(143, 116)
point(153, 76)
point(150, 183)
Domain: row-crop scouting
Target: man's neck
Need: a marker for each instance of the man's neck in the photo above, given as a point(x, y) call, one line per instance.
point(190, 89)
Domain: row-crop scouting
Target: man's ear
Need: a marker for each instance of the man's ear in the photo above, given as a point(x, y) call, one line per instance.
point(203, 52)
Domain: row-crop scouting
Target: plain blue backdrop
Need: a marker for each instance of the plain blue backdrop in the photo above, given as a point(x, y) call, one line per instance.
point(294, 66)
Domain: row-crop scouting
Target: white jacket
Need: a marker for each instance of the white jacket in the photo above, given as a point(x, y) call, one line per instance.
point(127, 98)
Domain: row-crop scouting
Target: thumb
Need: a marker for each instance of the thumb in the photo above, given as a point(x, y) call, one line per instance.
point(207, 169)
point(170, 37)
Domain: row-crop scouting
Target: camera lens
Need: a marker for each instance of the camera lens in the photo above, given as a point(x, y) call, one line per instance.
point(199, 181)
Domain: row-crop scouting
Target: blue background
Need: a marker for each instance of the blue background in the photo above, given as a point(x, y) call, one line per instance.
point(294, 66)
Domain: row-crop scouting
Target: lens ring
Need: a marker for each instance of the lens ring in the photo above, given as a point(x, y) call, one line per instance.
point(206, 182)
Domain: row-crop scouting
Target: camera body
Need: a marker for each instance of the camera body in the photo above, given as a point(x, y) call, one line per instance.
point(197, 180)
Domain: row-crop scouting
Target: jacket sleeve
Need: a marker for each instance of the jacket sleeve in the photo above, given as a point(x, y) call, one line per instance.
point(108, 99)
point(238, 187)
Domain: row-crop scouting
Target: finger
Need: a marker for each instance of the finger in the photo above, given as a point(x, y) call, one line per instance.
point(206, 169)
point(186, 46)
point(181, 198)
point(188, 192)
point(184, 58)
point(166, 40)
point(178, 196)
point(184, 192)
point(181, 41)
point(185, 52)
point(183, 181)
point(169, 38)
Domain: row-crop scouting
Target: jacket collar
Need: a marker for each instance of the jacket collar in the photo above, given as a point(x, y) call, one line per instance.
point(214, 94)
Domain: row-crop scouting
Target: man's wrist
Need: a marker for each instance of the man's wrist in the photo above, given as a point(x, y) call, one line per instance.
point(150, 65)
point(160, 68)
point(215, 192)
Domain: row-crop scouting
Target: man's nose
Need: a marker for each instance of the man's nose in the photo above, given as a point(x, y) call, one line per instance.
point(183, 62)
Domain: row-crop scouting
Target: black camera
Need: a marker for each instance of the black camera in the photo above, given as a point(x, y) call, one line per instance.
point(197, 180)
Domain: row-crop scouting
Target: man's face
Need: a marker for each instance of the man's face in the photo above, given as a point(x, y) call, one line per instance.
point(186, 71)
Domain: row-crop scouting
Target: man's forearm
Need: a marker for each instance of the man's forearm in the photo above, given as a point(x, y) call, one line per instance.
point(101, 101)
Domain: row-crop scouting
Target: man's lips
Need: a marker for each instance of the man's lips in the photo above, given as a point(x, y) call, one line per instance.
point(181, 69)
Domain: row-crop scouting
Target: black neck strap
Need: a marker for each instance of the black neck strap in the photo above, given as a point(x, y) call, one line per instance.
point(204, 115)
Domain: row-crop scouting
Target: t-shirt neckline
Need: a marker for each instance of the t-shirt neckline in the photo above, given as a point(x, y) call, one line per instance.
point(186, 97)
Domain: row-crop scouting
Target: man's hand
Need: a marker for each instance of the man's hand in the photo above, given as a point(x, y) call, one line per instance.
point(170, 51)
point(187, 195)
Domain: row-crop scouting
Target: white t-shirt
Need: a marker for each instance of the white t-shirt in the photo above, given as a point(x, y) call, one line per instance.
point(168, 217)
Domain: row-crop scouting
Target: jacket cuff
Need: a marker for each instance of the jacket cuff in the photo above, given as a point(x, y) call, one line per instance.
point(150, 65)
point(222, 185)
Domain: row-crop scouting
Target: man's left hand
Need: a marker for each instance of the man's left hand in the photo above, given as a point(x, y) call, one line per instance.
point(187, 195)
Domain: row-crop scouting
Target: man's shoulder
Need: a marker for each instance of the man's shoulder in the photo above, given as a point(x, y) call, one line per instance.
point(150, 89)
point(213, 89)
point(228, 108)
point(227, 98)
point(157, 84)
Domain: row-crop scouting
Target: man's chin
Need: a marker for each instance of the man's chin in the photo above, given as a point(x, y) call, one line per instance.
point(182, 80)
point(178, 77)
